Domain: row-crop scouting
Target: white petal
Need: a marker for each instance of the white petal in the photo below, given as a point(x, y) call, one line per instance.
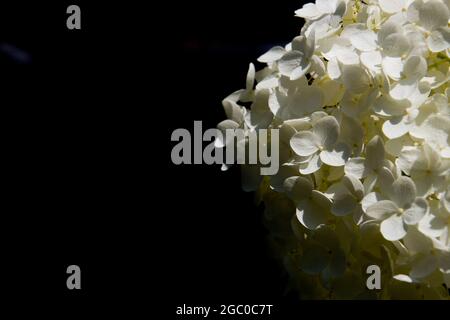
point(304, 44)
point(355, 167)
point(364, 40)
point(391, 6)
point(333, 69)
point(276, 101)
point(395, 127)
point(326, 6)
point(435, 130)
point(403, 277)
point(355, 79)
point(227, 124)
point(268, 82)
point(289, 62)
point(439, 40)
point(412, 13)
point(300, 71)
point(259, 117)
point(350, 104)
point(424, 267)
point(393, 228)
point(392, 67)
point(446, 277)
point(250, 77)
point(341, 8)
point(388, 28)
point(333, 92)
point(354, 186)
point(385, 180)
point(277, 180)
point(312, 165)
point(435, 78)
point(318, 66)
point(404, 89)
point(335, 173)
point(337, 156)
point(316, 116)
point(372, 60)
point(307, 101)
point(235, 96)
point(444, 262)
point(416, 242)
point(370, 199)
point(343, 205)
point(433, 14)
point(409, 158)
point(395, 146)
point(321, 200)
point(370, 181)
point(224, 139)
point(292, 126)
point(308, 11)
point(425, 184)
point(415, 67)
point(375, 153)
point(445, 152)
point(272, 55)
point(352, 133)
point(382, 210)
point(358, 215)
point(304, 143)
point(336, 189)
point(298, 188)
point(403, 191)
point(310, 214)
point(419, 96)
point(360, 37)
point(396, 45)
point(354, 105)
point(416, 212)
point(233, 111)
point(327, 131)
point(432, 225)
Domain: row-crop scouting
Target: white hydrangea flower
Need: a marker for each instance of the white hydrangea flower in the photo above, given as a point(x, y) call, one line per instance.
point(320, 145)
point(403, 209)
point(432, 16)
point(361, 167)
point(295, 63)
point(361, 98)
point(312, 205)
point(348, 195)
point(425, 166)
point(436, 222)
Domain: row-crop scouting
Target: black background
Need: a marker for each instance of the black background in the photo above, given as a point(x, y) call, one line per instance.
point(87, 117)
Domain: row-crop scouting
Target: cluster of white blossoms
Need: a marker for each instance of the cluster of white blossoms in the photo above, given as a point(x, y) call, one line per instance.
point(361, 99)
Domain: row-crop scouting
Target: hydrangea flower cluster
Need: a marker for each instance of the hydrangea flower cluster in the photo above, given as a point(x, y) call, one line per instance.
point(361, 99)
